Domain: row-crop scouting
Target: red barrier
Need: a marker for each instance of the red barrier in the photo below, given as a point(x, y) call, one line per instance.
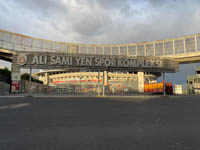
point(158, 88)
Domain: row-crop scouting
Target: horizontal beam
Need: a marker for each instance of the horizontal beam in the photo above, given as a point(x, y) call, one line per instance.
point(188, 60)
point(6, 58)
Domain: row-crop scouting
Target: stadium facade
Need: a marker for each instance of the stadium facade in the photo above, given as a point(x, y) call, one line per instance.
point(116, 82)
point(134, 62)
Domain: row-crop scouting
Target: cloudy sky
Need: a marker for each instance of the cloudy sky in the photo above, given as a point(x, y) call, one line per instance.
point(103, 21)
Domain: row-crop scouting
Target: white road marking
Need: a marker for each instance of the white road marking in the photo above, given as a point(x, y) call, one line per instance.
point(11, 96)
point(14, 106)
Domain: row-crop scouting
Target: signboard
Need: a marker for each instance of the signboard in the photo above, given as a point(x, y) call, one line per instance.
point(15, 87)
point(22, 59)
point(16, 76)
point(98, 62)
point(92, 61)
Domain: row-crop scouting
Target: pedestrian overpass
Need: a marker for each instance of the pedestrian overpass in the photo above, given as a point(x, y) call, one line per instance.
point(183, 49)
point(169, 52)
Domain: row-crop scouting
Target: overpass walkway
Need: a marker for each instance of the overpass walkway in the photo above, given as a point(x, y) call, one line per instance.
point(183, 49)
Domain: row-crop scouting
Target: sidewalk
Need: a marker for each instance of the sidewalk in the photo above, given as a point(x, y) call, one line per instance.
point(82, 95)
point(45, 95)
point(93, 95)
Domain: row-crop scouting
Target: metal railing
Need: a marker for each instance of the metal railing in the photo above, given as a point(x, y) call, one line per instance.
point(167, 48)
point(4, 88)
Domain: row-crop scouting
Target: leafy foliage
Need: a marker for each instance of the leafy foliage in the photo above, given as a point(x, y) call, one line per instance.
point(5, 73)
point(25, 76)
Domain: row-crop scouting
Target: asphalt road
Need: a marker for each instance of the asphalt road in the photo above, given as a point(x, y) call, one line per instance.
point(89, 123)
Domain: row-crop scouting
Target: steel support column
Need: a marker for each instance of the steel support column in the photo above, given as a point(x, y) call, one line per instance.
point(98, 88)
point(30, 75)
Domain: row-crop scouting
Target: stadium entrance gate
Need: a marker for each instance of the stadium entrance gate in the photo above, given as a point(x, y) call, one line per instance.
point(98, 63)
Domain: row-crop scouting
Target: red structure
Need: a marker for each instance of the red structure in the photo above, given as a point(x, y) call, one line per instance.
point(158, 88)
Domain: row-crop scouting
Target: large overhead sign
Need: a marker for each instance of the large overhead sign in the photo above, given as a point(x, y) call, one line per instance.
point(94, 62)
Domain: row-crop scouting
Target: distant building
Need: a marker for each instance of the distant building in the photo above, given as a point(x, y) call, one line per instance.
point(193, 82)
point(115, 81)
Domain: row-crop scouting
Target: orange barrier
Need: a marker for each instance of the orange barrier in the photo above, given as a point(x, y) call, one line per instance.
point(158, 88)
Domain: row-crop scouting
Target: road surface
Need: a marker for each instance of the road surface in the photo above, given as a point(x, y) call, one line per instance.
point(90, 123)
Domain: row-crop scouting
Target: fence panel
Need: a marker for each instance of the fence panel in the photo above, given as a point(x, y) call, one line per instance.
point(4, 88)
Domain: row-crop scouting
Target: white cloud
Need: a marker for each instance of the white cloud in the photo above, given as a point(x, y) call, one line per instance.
point(101, 21)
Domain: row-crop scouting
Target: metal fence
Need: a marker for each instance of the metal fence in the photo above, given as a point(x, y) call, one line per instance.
point(180, 90)
point(74, 90)
point(77, 89)
point(37, 88)
point(4, 88)
point(170, 47)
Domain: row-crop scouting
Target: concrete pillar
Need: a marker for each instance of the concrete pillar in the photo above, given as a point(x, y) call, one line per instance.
point(154, 49)
point(80, 82)
point(98, 89)
point(105, 78)
point(46, 79)
point(46, 82)
point(15, 78)
point(173, 47)
point(103, 83)
point(196, 47)
point(30, 75)
point(141, 82)
point(164, 92)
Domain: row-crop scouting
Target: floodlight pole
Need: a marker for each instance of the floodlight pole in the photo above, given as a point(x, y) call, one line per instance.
point(164, 92)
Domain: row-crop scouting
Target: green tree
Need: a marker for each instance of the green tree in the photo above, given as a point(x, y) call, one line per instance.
point(25, 76)
point(6, 74)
